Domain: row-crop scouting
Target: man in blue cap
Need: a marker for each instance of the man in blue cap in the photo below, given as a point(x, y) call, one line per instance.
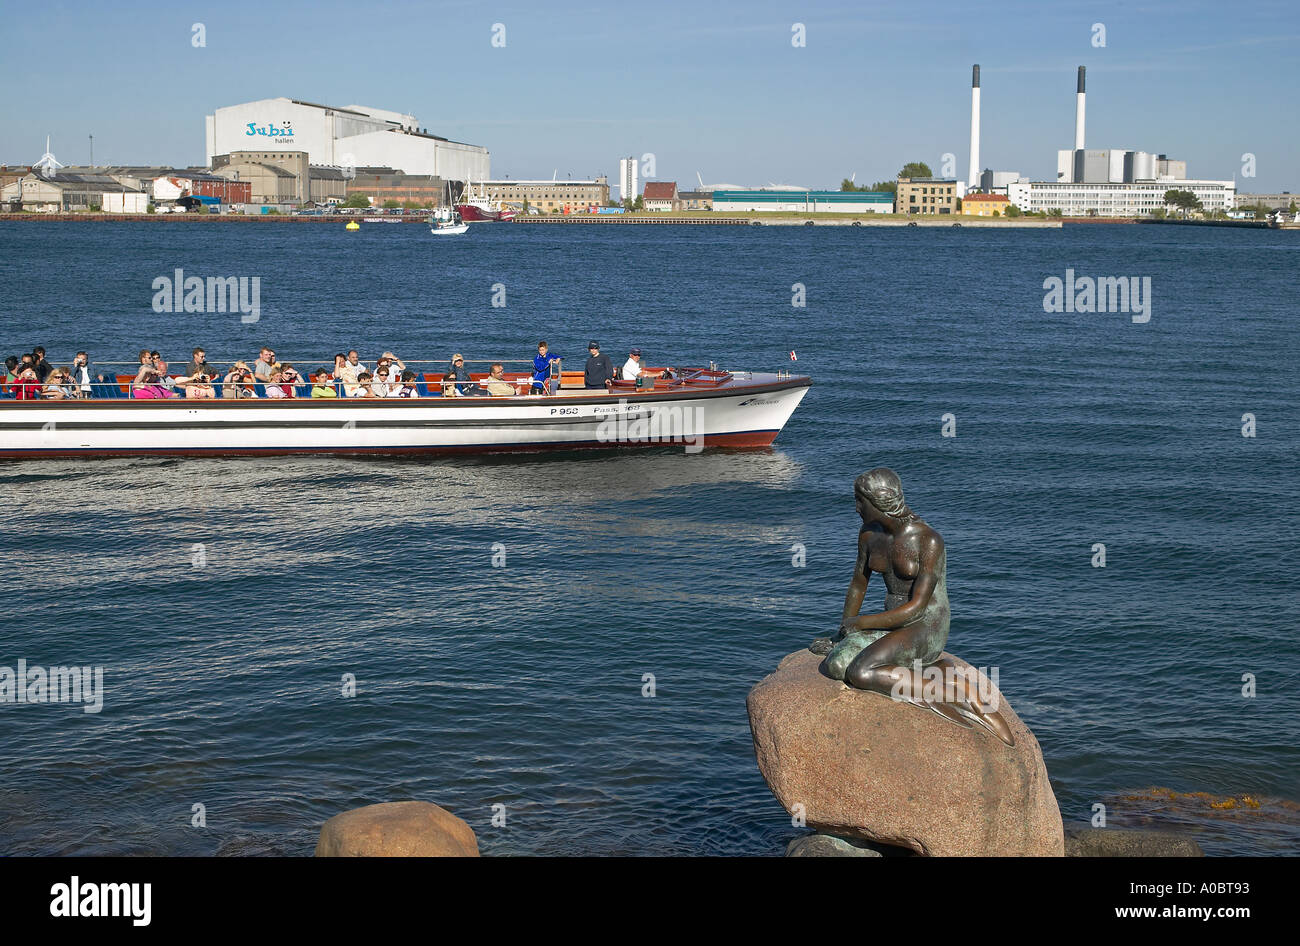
point(599, 369)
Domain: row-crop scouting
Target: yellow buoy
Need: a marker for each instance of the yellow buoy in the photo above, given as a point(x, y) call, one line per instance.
point(353, 225)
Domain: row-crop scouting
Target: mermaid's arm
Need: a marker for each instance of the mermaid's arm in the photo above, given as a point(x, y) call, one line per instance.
point(922, 592)
point(861, 576)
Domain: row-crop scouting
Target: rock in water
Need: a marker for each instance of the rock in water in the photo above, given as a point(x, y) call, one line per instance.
point(863, 765)
point(397, 829)
point(823, 845)
point(1118, 842)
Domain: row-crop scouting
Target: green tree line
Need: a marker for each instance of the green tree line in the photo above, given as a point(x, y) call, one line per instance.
point(912, 169)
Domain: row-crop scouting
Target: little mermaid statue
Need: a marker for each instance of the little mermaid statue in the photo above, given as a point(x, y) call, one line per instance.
point(887, 651)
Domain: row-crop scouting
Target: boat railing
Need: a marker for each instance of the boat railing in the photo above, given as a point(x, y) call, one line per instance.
point(108, 385)
point(328, 361)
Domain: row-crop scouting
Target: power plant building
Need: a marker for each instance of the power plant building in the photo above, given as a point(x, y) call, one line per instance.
point(1120, 199)
point(1112, 182)
point(350, 137)
point(995, 182)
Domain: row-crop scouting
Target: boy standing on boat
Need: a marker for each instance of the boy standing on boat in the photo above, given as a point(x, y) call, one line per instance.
point(542, 368)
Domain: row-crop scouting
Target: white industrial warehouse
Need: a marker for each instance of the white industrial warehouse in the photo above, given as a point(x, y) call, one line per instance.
point(354, 136)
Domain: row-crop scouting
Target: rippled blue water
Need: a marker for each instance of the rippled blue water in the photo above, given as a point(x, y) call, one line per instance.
point(521, 685)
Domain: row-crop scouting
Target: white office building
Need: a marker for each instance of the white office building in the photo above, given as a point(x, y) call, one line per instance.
point(627, 183)
point(355, 136)
point(1120, 199)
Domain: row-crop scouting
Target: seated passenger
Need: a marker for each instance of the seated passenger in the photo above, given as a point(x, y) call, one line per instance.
point(151, 380)
point(238, 382)
point(28, 386)
point(292, 379)
point(10, 376)
point(199, 365)
point(264, 365)
point(58, 387)
point(168, 383)
point(457, 381)
point(145, 369)
point(81, 373)
point(324, 385)
point(43, 367)
point(349, 374)
point(632, 367)
point(198, 386)
point(364, 384)
point(275, 384)
point(406, 387)
point(496, 384)
point(392, 363)
point(381, 386)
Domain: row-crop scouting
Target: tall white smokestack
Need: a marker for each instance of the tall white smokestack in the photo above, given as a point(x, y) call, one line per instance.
point(974, 179)
point(1078, 114)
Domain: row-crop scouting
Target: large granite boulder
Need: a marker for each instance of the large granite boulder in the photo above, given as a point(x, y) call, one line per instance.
point(397, 829)
point(866, 766)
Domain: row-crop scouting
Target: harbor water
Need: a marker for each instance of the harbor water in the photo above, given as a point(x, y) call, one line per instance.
point(565, 642)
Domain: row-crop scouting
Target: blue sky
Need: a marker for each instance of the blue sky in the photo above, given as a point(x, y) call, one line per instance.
point(714, 88)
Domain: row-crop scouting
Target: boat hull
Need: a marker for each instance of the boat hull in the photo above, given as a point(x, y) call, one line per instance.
point(744, 415)
point(471, 213)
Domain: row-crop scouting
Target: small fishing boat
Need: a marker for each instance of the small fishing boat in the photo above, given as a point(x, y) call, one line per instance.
point(446, 222)
point(692, 408)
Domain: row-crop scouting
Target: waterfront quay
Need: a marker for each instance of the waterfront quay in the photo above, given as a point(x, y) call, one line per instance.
point(658, 219)
point(792, 220)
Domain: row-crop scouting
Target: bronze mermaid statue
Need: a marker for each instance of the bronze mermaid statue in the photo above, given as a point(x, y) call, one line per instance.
point(886, 651)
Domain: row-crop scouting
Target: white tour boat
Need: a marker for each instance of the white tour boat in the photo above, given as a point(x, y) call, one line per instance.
point(696, 408)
